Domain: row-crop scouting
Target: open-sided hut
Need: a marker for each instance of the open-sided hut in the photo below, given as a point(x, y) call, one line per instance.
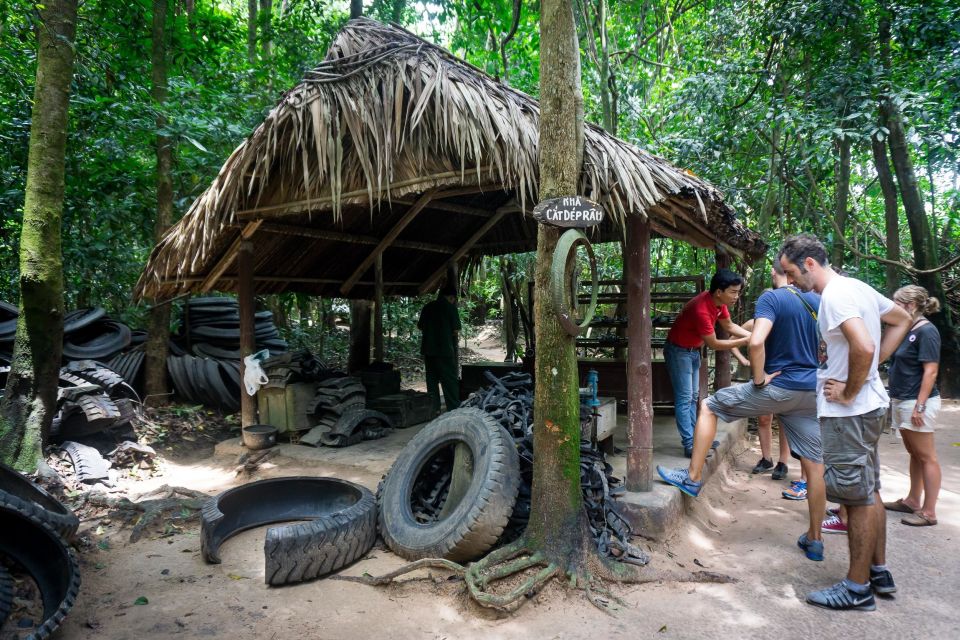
point(393, 148)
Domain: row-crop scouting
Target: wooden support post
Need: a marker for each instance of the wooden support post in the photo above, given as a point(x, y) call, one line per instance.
point(721, 376)
point(639, 353)
point(248, 403)
point(378, 310)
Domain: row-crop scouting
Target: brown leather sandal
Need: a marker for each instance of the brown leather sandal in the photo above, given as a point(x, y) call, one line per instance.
point(899, 506)
point(917, 519)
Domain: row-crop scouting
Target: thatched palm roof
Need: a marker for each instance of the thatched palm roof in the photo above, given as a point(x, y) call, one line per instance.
point(394, 146)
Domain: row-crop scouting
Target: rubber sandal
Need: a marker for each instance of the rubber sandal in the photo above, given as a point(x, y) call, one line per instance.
point(918, 520)
point(898, 506)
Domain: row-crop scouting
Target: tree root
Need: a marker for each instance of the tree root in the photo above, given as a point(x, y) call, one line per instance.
point(387, 578)
point(586, 571)
point(177, 503)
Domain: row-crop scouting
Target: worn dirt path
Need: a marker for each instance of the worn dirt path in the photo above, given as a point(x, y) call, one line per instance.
point(740, 526)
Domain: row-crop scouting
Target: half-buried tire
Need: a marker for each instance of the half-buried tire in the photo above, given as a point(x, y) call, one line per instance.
point(452, 489)
point(340, 527)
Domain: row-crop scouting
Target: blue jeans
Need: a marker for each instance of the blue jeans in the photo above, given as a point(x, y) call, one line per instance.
point(684, 368)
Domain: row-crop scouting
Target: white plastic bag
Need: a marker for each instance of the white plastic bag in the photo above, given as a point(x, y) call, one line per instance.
point(253, 375)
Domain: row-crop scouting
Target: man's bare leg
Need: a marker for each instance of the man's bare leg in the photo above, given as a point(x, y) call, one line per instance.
point(816, 496)
point(862, 540)
point(784, 446)
point(703, 434)
point(765, 434)
point(880, 548)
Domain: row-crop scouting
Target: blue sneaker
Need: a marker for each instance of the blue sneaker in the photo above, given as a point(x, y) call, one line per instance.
point(841, 597)
point(680, 478)
point(797, 491)
point(813, 548)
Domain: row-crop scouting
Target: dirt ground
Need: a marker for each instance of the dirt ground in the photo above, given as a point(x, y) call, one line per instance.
point(739, 526)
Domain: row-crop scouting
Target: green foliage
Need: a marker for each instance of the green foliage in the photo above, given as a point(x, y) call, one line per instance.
point(708, 85)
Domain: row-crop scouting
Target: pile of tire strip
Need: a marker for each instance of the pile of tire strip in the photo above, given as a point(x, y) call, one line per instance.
point(509, 400)
point(35, 528)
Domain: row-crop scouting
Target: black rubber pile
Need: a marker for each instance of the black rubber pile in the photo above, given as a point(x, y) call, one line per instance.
point(34, 530)
point(509, 400)
point(87, 334)
point(91, 398)
point(208, 381)
point(339, 409)
point(211, 329)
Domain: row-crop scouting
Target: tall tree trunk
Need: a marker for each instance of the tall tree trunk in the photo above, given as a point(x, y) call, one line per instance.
point(924, 249)
point(841, 197)
point(251, 31)
point(396, 15)
point(356, 9)
point(360, 314)
point(158, 331)
point(264, 18)
point(556, 504)
point(30, 400)
point(890, 215)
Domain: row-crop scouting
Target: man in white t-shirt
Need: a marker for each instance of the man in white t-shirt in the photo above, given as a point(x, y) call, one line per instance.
point(851, 403)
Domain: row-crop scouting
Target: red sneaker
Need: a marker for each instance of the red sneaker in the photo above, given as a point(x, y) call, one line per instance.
point(833, 524)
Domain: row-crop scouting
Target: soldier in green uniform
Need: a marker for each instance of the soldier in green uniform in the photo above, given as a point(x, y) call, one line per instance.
point(440, 324)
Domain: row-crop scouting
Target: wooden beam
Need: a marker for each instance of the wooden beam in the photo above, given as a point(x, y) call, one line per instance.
point(639, 353)
point(300, 206)
point(339, 236)
point(431, 282)
point(452, 207)
point(388, 239)
point(248, 404)
point(221, 265)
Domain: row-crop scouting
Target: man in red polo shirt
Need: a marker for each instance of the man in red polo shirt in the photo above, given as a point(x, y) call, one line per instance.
point(693, 328)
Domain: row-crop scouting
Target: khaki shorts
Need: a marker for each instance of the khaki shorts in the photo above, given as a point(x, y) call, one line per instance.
point(903, 410)
point(850, 458)
point(797, 411)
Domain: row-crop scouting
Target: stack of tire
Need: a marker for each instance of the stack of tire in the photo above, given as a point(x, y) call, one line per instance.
point(211, 382)
point(87, 334)
point(36, 529)
point(204, 362)
point(211, 328)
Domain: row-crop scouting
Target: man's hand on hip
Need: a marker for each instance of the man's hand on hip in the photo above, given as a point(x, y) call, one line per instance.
point(835, 391)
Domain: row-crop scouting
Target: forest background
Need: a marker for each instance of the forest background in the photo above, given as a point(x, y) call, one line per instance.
point(834, 117)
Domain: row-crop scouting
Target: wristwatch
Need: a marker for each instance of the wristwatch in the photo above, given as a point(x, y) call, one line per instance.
point(920, 407)
point(759, 385)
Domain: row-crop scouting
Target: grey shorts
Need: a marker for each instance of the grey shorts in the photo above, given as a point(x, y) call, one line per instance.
point(852, 464)
point(797, 411)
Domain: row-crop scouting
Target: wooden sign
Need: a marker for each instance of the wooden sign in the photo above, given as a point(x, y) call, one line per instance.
point(569, 212)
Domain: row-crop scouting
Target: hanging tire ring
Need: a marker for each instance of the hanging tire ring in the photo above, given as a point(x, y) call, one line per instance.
point(564, 284)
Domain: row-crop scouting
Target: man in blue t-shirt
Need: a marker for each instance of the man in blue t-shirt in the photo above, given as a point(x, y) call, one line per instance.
point(784, 347)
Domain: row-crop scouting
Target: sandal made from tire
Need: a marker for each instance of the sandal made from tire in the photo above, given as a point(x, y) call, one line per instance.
point(340, 527)
point(477, 506)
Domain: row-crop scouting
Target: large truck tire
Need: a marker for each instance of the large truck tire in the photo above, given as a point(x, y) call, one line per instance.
point(432, 506)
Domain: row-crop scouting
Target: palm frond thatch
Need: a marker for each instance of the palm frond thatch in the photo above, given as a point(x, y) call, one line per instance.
point(387, 115)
